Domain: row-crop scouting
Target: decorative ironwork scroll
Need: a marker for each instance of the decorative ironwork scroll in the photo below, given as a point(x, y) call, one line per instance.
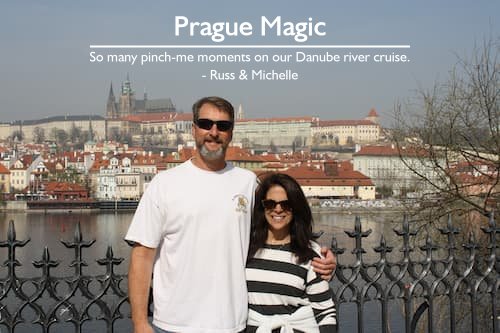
point(445, 271)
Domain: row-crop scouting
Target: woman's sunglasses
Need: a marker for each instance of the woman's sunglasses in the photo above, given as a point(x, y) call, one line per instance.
point(206, 124)
point(270, 204)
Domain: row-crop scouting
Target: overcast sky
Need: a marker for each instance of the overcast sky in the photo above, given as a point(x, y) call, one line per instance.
point(46, 68)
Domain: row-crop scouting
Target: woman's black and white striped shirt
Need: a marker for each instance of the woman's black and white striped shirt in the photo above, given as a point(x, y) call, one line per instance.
point(278, 285)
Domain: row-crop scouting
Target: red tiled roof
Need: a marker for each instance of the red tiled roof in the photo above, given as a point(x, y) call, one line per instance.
point(51, 166)
point(335, 182)
point(316, 176)
point(154, 159)
point(63, 187)
point(26, 161)
point(270, 158)
point(383, 150)
point(135, 149)
point(464, 166)
point(158, 117)
point(183, 117)
point(274, 166)
point(470, 179)
point(98, 155)
point(235, 153)
point(3, 169)
point(96, 166)
point(34, 146)
point(372, 113)
point(186, 153)
point(173, 159)
point(150, 117)
point(345, 166)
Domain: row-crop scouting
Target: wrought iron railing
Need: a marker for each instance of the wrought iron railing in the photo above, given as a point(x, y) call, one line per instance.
point(440, 281)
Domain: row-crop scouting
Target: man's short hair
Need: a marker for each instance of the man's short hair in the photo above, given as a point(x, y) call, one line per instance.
point(219, 102)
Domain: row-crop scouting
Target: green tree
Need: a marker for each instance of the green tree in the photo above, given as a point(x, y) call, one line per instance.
point(70, 175)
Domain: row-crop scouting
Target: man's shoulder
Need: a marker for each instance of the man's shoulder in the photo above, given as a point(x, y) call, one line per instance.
point(243, 171)
point(172, 172)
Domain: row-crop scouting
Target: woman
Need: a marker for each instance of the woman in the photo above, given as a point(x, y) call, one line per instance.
point(284, 293)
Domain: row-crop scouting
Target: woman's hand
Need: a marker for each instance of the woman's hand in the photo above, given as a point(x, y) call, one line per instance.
point(325, 266)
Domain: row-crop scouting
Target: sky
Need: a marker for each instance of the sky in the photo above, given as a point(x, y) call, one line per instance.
point(46, 68)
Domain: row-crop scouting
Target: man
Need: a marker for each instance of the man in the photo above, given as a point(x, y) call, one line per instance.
point(191, 230)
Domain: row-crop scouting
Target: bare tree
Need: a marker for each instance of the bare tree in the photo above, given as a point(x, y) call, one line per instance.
point(454, 128)
point(179, 139)
point(273, 148)
point(38, 135)
point(448, 138)
point(17, 135)
point(75, 133)
point(61, 137)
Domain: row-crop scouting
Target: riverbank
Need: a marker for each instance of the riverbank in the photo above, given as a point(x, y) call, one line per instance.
point(358, 210)
point(13, 206)
point(67, 206)
point(339, 206)
point(350, 206)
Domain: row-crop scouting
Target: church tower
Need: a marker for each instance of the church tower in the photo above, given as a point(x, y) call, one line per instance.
point(127, 99)
point(111, 110)
point(373, 116)
point(240, 114)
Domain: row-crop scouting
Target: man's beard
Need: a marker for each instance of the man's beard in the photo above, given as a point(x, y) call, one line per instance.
point(211, 155)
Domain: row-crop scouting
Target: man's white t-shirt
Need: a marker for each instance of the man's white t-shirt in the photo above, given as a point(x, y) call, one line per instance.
point(199, 221)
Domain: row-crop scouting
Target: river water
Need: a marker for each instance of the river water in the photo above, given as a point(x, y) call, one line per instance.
point(108, 229)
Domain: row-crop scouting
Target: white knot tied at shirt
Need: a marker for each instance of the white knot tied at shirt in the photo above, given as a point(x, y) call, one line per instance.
point(302, 319)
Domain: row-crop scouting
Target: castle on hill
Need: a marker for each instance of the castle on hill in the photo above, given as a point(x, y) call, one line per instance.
point(127, 104)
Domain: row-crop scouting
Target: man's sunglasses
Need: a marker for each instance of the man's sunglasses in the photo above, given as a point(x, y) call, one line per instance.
point(270, 204)
point(206, 124)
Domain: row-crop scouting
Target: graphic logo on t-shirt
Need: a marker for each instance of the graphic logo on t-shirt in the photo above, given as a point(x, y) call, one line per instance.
point(241, 203)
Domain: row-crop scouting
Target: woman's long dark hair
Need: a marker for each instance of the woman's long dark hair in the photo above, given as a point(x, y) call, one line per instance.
point(300, 226)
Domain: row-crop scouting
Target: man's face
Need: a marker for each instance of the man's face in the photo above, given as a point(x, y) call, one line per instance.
point(212, 143)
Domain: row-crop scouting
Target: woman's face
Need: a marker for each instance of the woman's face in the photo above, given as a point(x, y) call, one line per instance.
point(280, 216)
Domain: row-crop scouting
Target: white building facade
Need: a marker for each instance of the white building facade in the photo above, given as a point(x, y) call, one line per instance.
point(389, 168)
point(290, 131)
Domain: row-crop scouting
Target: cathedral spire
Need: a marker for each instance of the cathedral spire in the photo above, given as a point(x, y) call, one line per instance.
point(91, 130)
point(127, 87)
point(126, 100)
point(111, 109)
point(111, 95)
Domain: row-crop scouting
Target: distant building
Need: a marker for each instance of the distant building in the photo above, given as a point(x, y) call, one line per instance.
point(127, 104)
point(116, 120)
point(160, 126)
point(328, 180)
point(46, 128)
point(4, 179)
point(65, 191)
point(269, 132)
point(396, 169)
point(347, 132)
point(20, 171)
